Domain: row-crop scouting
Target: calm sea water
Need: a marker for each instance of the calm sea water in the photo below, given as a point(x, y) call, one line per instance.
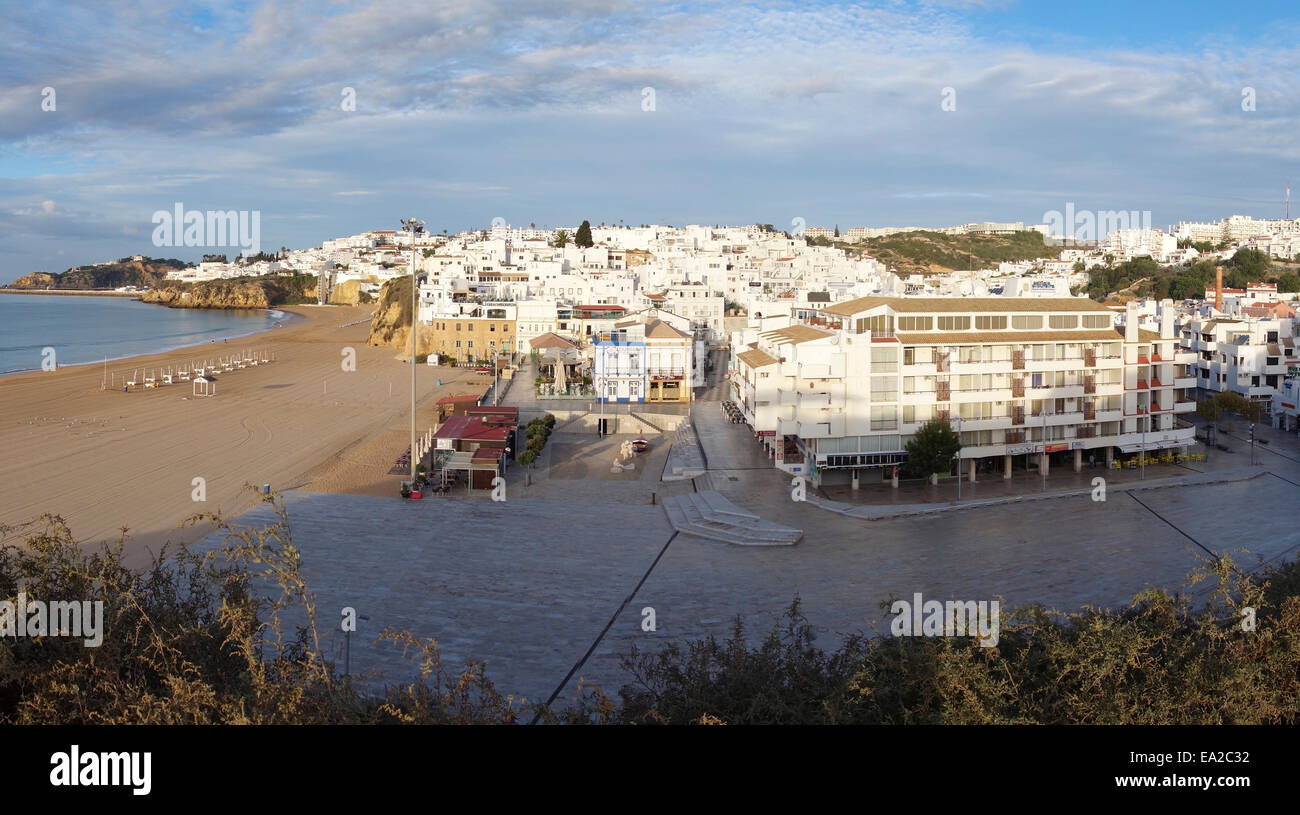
point(84, 329)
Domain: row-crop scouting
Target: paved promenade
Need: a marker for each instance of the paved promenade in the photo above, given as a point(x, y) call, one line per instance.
point(567, 564)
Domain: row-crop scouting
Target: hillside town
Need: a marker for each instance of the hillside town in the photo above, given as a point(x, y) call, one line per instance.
point(836, 358)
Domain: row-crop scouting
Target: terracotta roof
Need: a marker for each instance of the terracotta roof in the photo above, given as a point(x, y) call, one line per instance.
point(471, 428)
point(468, 397)
point(660, 330)
point(550, 340)
point(797, 334)
point(756, 358)
point(924, 305)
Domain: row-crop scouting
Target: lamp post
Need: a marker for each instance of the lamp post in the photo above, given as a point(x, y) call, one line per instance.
point(415, 227)
point(1142, 456)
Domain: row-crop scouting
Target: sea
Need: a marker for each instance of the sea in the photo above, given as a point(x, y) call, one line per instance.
point(88, 328)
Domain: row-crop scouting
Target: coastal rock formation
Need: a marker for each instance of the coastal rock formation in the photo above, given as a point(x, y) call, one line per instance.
point(35, 280)
point(391, 324)
point(348, 293)
point(143, 273)
point(243, 292)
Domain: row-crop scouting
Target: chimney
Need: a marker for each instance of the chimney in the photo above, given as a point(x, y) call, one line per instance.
point(1218, 288)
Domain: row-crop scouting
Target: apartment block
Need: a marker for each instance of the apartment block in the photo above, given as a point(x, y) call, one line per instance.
point(1049, 378)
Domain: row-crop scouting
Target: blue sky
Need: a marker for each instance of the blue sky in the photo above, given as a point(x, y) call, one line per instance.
point(531, 111)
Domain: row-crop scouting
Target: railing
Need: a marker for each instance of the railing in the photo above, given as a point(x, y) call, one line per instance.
point(1017, 360)
point(1090, 384)
point(1015, 437)
point(1018, 388)
point(1085, 432)
point(1090, 357)
point(1018, 415)
point(942, 392)
point(941, 415)
point(1089, 412)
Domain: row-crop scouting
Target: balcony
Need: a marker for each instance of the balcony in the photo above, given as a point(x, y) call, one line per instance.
point(1090, 357)
point(1090, 384)
point(1185, 382)
point(814, 400)
point(1089, 412)
point(1018, 389)
point(1014, 437)
point(942, 392)
point(1018, 415)
point(665, 374)
point(1143, 359)
point(1085, 432)
point(1017, 360)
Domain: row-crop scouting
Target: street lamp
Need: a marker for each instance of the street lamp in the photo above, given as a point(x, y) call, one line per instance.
point(415, 227)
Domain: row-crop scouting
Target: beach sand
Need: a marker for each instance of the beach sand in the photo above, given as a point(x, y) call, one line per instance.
point(104, 459)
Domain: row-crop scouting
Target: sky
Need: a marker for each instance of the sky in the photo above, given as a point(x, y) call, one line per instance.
point(848, 114)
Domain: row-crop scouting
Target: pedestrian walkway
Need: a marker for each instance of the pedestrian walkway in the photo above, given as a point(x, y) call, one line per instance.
point(875, 512)
point(707, 514)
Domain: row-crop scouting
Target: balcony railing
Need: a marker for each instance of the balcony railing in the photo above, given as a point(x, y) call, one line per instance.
point(1015, 437)
point(1089, 412)
point(1017, 360)
point(1018, 415)
point(1086, 432)
point(1090, 357)
point(942, 392)
point(1090, 384)
point(1018, 388)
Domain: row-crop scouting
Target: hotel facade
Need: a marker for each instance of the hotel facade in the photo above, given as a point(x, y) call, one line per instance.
point(838, 395)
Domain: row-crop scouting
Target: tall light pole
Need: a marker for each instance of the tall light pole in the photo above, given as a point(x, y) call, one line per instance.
point(415, 227)
point(1142, 457)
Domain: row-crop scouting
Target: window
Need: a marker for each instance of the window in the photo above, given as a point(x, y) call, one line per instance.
point(1027, 322)
point(884, 389)
point(909, 356)
point(954, 323)
point(909, 414)
point(1096, 321)
point(884, 417)
point(884, 360)
point(991, 323)
point(882, 325)
point(915, 323)
point(470, 344)
point(492, 326)
point(457, 326)
point(1063, 321)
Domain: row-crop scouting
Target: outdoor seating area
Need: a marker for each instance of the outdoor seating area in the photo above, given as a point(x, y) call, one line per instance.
point(1134, 462)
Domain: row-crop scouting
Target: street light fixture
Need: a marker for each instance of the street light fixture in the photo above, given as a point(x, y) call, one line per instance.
point(415, 227)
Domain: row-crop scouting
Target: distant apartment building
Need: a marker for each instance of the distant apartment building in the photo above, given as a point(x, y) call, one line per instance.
point(1130, 243)
point(841, 395)
point(1249, 356)
point(1285, 411)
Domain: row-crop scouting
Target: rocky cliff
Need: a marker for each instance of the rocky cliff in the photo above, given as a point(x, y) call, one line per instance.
point(240, 292)
point(143, 273)
point(390, 326)
point(348, 293)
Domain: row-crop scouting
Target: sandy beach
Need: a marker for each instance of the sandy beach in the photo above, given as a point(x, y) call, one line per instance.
point(104, 459)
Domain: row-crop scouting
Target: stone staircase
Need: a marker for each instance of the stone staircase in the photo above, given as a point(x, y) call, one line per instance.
point(708, 515)
point(685, 459)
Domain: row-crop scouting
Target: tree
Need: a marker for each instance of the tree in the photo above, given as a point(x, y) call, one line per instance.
point(561, 238)
point(837, 230)
point(1288, 282)
point(583, 238)
point(1252, 264)
point(932, 449)
point(1233, 402)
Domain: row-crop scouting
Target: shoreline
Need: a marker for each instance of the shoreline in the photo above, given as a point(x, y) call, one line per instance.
point(151, 459)
point(83, 292)
point(293, 318)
